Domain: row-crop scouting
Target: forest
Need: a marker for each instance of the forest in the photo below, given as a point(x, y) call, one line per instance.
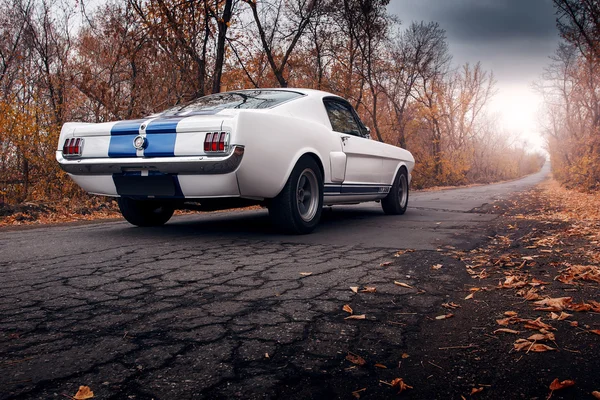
point(77, 60)
point(571, 89)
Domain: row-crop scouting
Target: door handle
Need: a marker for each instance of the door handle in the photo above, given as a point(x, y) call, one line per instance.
point(345, 138)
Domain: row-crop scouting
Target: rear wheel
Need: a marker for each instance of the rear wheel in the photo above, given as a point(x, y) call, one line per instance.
point(297, 208)
point(145, 212)
point(396, 201)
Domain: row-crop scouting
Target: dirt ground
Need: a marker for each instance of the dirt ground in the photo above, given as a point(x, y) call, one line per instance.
point(526, 312)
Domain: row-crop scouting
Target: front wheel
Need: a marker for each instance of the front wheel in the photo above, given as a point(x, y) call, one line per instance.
point(396, 201)
point(297, 208)
point(145, 212)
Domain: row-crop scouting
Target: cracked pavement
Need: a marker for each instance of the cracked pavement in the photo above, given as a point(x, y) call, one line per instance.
point(215, 305)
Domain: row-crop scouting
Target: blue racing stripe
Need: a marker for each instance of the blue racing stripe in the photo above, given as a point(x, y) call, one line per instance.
point(127, 127)
point(122, 146)
point(161, 135)
point(121, 138)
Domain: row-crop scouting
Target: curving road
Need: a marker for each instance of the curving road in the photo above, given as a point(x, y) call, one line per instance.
point(215, 305)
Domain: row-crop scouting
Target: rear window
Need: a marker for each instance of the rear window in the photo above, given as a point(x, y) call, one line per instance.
point(247, 99)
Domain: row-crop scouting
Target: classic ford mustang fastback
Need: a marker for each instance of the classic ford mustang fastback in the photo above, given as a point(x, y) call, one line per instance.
point(292, 150)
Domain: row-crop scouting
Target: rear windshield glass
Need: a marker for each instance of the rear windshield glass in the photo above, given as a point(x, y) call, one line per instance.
point(247, 99)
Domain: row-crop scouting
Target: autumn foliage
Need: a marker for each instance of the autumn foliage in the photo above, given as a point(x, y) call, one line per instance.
point(63, 61)
point(571, 87)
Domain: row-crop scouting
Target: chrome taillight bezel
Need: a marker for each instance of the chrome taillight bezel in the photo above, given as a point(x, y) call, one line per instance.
point(73, 147)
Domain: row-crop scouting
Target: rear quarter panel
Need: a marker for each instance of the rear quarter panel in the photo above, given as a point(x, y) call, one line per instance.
point(273, 145)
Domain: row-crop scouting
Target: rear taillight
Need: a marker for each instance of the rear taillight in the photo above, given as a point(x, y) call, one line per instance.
point(73, 147)
point(216, 142)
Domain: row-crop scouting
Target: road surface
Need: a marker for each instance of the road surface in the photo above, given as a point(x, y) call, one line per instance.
point(218, 305)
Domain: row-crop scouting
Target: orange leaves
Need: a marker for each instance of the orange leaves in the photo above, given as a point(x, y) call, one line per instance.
point(355, 359)
point(400, 384)
point(83, 393)
point(553, 304)
point(446, 316)
point(506, 330)
point(527, 346)
point(596, 331)
point(557, 385)
point(402, 284)
point(347, 308)
point(563, 315)
point(368, 289)
point(361, 316)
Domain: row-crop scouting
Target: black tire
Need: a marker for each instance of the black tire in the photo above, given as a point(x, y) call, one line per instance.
point(396, 201)
point(297, 208)
point(145, 212)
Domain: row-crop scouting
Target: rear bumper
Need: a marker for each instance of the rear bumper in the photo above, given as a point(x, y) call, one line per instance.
point(198, 165)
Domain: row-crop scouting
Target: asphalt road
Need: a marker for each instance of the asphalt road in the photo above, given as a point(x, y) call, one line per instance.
point(214, 305)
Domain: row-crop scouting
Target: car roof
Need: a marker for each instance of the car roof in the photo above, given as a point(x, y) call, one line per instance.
point(304, 91)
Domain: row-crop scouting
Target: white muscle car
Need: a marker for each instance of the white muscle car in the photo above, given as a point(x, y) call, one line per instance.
point(292, 150)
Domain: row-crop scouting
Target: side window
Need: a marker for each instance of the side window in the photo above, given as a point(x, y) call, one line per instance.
point(342, 118)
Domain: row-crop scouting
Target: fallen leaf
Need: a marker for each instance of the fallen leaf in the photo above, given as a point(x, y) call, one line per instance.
point(267, 355)
point(574, 323)
point(506, 330)
point(405, 355)
point(476, 390)
point(452, 305)
point(356, 393)
point(596, 331)
point(305, 273)
point(553, 304)
point(368, 289)
point(380, 366)
point(583, 306)
point(526, 345)
point(557, 385)
point(542, 336)
point(406, 285)
point(385, 264)
point(563, 315)
point(399, 382)
point(444, 316)
point(537, 324)
point(83, 393)
point(401, 252)
point(540, 348)
point(354, 289)
point(510, 313)
point(355, 359)
point(437, 266)
point(347, 308)
point(596, 394)
point(469, 297)
point(361, 316)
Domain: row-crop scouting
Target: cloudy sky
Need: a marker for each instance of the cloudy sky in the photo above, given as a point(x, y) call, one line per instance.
point(513, 38)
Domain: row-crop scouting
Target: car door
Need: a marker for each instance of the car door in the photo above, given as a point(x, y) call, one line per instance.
point(363, 163)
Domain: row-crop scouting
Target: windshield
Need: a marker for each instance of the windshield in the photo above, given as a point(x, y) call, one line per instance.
point(247, 99)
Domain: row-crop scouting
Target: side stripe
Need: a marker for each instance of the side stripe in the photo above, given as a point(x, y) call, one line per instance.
point(353, 189)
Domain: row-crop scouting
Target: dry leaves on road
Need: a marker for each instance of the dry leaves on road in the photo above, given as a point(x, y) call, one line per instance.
point(83, 393)
point(446, 316)
point(406, 285)
point(526, 345)
point(305, 273)
point(558, 385)
point(385, 264)
point(506, 330)
point(400, 384)
point(361, 316)
point(355, 359)
point(553, 304)
point(354, 289)
point(368, 289)
point(348, 309)
point(436, 266)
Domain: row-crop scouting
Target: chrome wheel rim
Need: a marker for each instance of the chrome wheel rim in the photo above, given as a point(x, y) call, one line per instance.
point(403, 190)
point(307, 195)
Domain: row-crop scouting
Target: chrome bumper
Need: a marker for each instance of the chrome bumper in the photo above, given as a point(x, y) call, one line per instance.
point(202, 165)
